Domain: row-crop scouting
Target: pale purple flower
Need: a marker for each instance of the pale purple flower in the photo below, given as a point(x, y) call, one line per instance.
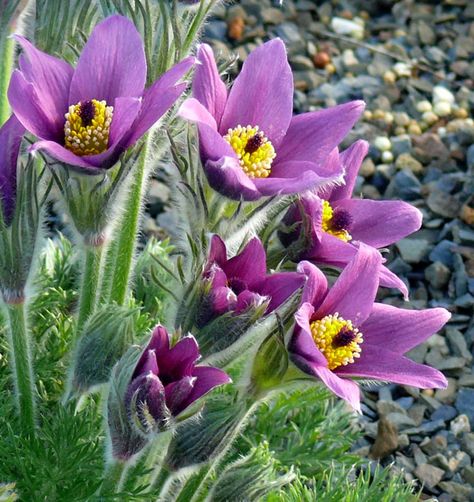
point(250, 143)
point(89, 115)
point(335, 221)
point(11, 134)
point(167, 380)
point(241, 282)
point(342, 334)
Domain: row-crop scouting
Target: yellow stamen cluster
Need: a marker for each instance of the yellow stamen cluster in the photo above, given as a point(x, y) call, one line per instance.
point(338, 351)
point(86, 131)
point(328, 213)
point(254, 150)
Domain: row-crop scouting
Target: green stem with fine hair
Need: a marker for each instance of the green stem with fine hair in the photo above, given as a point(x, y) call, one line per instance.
point(6, 63)
point(114, 477)
point(124, 250)
point(90, 284)
point(21, 364)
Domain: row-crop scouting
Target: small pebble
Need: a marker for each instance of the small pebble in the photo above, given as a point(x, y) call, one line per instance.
point(382, 143)
point(424, 106)
point(442, 108)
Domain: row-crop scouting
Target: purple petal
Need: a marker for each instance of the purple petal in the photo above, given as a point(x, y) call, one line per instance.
point(389, 280)
point(177, 392)
point(112, 63)
point(223, 299)
point(51, 78)
point(343, 388)
point(160, 97)
point(246, 299)
point(353, 294)
point(159, 341)
point(11, 134)
point(178, 362)
point(262, 93)
point(399, 330)
point(27, 107)
point(208, 87)
point(312, 136)
point(382, 364)
point(380, 223)
point(227, 177)
point(207, 379)
point(217, 251)
point(279, 287)
point(61, 154)
point(330, 250)
point(250, 265)
point(351, 160)
point(298, 176)
point(194, 111)
point(147, 390)
point(302, 343)
point(316, 285)
point(217, 276)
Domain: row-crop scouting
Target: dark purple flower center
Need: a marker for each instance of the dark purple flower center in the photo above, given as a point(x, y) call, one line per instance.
point(343, 338)
point(87, 112)
point(341, 220)
point(254, 143)
point(237, 285)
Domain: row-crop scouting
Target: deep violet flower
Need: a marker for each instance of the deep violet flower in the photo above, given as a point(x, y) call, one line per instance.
point(87, 116)
point(241, 282)
point(251, 145)
point(11, 134)
point(335, 222)
point(166, 381)
point(342, 334)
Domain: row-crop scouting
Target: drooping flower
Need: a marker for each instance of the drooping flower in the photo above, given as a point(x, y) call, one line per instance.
point(166, 381)
point(250, 144)
point(11, 134)
point(242, 282)
point(342, 334)
point(88, 116)
point(329, 225)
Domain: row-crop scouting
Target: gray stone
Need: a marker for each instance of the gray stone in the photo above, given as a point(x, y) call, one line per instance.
point(289, 33)
point(467, 443)
point(460, 492)
point(437, 274)
point(429, 475)
point(387, 407)
point(434, 445)
point(458, 344)
point(386, 441)
point(443, 204)
point(406, 161)
point(468, 475)
point(470, 157)
point(271, 15)
point(401, 420)
point(465, 403)
point(401, 144)
point(445, 413)
point(413, 250)
point(451, 363)
point(443, 252)
point(460, 425)
point(439, 460)
point(404, 185)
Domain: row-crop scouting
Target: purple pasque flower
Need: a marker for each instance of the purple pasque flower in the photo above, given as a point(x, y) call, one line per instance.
point(251, 146)
point(89, 115)
point(166, 381)
point(11, 134)
point(242, 282)
point(342, 334)
point(334, 221)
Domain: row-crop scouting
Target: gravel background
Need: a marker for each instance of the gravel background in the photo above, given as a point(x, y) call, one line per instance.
point(412, 62)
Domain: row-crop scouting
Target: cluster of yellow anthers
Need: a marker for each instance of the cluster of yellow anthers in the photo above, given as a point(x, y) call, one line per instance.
point(87, 127)
point(254, 150)
point(337, 339)
point(329, 226)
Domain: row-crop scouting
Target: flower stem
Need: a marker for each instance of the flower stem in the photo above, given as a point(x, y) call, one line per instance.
point(126, 244)
point(90, 283)
point(6, 64)
point(114, 477)
point(21, 362)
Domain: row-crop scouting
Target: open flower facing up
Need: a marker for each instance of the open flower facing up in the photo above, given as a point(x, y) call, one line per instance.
point(11, 134)
point(166, 381)
point(342, 334)
point(87, 116)
point(334, 221)
point(241, 282)
point(250, 144)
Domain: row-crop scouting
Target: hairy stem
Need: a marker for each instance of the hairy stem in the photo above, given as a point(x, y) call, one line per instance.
point(126, 241)
point(90, 284)
point(21, 364)
point(114, 477)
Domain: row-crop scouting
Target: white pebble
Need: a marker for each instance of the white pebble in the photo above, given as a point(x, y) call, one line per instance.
point(442, 108)
point(402, 69)
point(441, 131)
point(440, 93)
point(424, 106)
point(429, 117)
point(346, 27)
point(382, 143)
point(387, 157)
